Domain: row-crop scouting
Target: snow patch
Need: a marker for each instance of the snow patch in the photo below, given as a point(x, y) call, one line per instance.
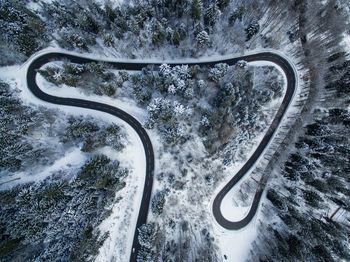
point(346, 42)
point(121, 223)
point(73, 159)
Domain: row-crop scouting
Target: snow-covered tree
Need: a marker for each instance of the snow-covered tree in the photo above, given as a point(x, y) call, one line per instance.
point(164, 70)
point(181, 72)
point(236, 14)
point(158, 202)
point(172, 89)
point(204, 121)
point(218, 71)
point(196, 9)
point(202, 39)
point(148, 235)
point(252, 29)
point(181, 110)
point(87, 23)
point(212, 14)
point(242, 64)
point(20, 29)
point(180, 85)
point(159, 111)
point(176, 38)
point(108, 40)
point(145, 255)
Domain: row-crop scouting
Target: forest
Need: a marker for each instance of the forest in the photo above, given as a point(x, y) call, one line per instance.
point(54, 218)
point(206, 119)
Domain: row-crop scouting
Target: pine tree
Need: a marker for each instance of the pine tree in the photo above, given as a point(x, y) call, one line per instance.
point(217, 72)
point(176, 38)
point(196, 10)
point(147, 235)
point(158, 202)
point(252, 29)
point(211, 15)
point(108, 40)
point(202, 39)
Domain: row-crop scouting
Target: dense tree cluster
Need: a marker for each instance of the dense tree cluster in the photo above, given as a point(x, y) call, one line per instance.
point(148, 237)
point(315, 186)
point(56, 219)
point(22, 32)
point(238, 101)
point(339, 75)
point(91, 135)
point(183, 27)
point(94, 78)
point(228, 99)
point(323, 181)
point(18, 123)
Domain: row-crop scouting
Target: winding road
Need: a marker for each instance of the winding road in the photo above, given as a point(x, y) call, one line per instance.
point(283, 63)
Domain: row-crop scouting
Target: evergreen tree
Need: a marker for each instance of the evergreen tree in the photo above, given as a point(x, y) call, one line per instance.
point(252, 29)
point(202, 39)
point(196, 10)
point(158, 202)
point(147, 235)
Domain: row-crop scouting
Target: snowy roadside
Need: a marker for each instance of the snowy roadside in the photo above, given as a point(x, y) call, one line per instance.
point(122, 222)
point(124, 104)
point(235, 245)
point(116, 239)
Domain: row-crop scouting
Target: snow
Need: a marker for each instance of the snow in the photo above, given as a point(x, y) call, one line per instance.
point(70, 92)
point(122, 221)
point(114, 3)
point(236, 244)
point(346, 42)
point(120, 228)
point(34, 6)
point(72, 160)
point(9, 72)
point(237, 212)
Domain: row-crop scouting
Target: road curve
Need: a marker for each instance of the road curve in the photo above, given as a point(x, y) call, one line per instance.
point(32, 85)
point(43, 59)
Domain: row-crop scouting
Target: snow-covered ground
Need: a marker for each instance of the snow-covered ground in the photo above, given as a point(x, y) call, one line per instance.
point(346, 42)
point(73, 159)
point(121, 223)
point(114, 3)
point(236, 244)
point(234, 214)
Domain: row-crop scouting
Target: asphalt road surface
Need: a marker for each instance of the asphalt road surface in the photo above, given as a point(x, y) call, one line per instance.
point(41, 60)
